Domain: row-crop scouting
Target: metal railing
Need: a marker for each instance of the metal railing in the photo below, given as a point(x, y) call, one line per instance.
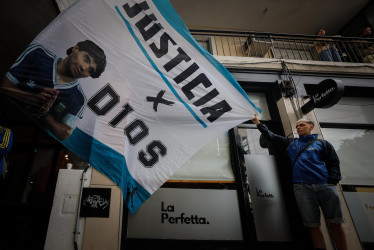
point(286, 46)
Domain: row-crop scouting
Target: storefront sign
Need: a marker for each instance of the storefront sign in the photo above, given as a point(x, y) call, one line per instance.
point(193, 214)
point(324, 95)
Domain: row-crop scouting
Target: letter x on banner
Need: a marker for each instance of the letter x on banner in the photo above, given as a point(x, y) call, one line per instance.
point(160, 98)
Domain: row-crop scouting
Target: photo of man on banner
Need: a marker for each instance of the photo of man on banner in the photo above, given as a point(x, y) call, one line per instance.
point(159, 84)
point(47, 86)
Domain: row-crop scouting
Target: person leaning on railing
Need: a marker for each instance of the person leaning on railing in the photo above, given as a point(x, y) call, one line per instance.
point(365, 49)
point(326, 48)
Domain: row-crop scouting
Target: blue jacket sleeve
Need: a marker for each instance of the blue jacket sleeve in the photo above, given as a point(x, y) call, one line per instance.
point(6, 140)
point(270, 136)
point(332, 162)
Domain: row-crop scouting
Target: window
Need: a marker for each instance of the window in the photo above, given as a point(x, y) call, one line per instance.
point(354, 148)
point(345, 126)
point(348, 126)
point(351, 110)
point(213, 162)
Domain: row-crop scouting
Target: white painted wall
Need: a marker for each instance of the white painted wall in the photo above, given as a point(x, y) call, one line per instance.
point(60, 235)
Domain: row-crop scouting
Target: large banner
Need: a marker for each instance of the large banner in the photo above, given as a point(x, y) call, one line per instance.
point(123, 85)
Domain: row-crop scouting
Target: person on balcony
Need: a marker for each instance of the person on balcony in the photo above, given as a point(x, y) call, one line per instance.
point(326, 48)
point(316, 172)
point(365, 49)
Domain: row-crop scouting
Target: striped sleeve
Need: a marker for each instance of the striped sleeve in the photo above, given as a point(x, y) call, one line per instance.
point(6, 140)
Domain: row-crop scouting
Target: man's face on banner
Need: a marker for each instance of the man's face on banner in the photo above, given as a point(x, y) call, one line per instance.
point(80, 64)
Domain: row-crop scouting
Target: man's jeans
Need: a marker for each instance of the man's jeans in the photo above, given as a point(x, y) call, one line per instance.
point(310, 197)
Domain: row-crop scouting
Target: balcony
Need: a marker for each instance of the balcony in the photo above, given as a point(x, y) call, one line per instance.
point(286, 46)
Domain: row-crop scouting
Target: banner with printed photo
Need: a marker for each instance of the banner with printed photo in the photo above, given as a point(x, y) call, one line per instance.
point(123, 85)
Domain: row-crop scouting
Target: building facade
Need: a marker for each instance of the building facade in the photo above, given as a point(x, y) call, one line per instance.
point(235, 193)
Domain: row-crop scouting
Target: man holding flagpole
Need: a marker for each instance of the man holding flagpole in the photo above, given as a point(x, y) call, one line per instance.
point(316, 171)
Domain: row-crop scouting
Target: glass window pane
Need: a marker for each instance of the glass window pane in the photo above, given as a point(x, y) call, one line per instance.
point(353, 110)
point(259, 99)
point(354, 148)
point(250, 141)
point(211, 163)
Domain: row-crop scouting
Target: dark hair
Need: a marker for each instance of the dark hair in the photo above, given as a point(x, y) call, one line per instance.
point(364, 28)
point(319, 31)
point(96, 52)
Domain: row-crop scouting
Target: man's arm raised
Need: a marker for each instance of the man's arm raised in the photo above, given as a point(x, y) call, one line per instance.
point(269, 135)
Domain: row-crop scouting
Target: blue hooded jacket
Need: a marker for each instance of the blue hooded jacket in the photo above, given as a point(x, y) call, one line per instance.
point(319, 163)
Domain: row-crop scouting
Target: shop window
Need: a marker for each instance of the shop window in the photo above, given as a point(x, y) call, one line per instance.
point(213, 161)
point(349, 110)
point(354, 148)
point(348, 126)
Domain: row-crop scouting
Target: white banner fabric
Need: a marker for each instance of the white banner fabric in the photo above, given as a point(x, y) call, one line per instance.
point(160, 98)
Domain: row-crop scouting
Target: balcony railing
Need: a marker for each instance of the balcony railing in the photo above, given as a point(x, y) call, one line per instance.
point(285, 46)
